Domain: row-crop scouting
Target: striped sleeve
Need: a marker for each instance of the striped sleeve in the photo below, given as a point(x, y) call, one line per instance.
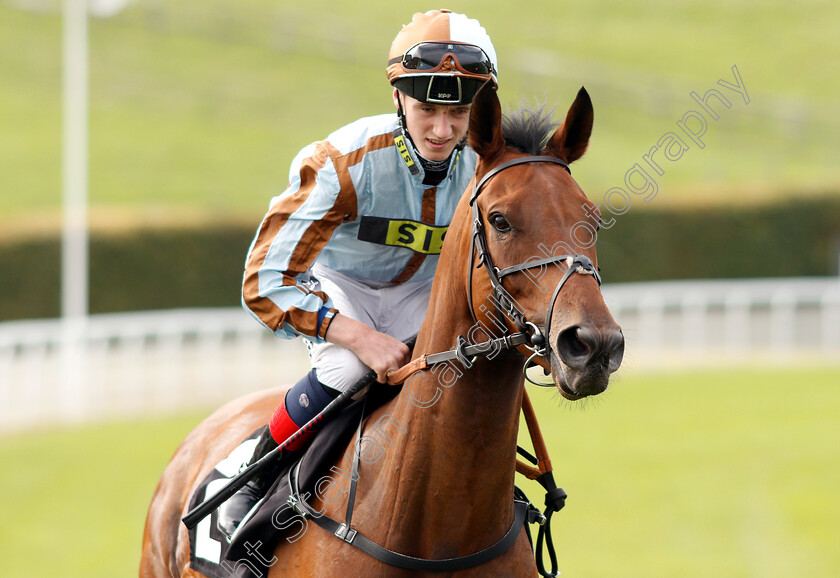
point(298, 225)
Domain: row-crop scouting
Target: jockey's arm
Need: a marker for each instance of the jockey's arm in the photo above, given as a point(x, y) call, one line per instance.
point(378, 351)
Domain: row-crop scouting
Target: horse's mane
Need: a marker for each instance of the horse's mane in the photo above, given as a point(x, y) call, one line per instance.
point(528, 129)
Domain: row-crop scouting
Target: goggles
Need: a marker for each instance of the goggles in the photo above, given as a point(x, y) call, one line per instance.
point(430, 56)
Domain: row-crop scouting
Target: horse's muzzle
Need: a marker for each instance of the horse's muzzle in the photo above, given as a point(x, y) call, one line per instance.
point(589, 355)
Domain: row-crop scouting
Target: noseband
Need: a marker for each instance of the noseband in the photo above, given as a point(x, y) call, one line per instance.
point(504, 300)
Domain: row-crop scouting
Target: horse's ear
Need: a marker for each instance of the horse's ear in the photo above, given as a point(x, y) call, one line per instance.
point(485, 132)
point(570, 140)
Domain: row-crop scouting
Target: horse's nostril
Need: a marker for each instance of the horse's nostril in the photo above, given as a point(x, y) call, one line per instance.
point(574, 345)
point(579, 345)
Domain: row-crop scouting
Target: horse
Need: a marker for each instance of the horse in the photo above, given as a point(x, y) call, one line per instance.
point(442, 485)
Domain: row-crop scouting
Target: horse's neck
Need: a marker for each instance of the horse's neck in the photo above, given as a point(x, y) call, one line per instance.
point(453, 462)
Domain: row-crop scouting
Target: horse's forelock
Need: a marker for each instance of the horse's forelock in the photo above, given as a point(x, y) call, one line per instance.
point(528, 129)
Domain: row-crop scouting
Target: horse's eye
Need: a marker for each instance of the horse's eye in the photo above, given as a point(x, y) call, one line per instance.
point(499, 223)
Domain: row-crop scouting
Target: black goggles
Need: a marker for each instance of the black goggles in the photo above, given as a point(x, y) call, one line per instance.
point(429, 55)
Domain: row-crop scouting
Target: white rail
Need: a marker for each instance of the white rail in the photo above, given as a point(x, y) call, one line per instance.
point(137, 363)
point(162, 361)
point(790, 316)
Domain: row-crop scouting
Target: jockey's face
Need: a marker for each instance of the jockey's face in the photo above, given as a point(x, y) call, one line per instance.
point(435, 128)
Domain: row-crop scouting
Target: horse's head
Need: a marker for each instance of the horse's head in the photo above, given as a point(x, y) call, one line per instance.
point(536, 236)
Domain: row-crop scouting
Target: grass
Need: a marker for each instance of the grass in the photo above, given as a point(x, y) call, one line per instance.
point(198, 107)
point(729, 473)
point(78, 496)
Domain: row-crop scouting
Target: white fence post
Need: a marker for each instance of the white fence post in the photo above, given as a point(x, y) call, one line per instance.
point(651, 319)
point(830, 303)
point(693, 305)
point(737, 321)
point(782, 319)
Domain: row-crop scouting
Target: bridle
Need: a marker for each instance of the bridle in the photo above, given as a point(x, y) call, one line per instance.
point(537, 339)
point(528, 334)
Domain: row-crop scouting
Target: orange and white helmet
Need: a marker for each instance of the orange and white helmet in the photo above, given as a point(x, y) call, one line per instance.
point(442, 58)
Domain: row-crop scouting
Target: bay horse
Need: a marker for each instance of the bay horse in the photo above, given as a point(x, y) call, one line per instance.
point(443, 486)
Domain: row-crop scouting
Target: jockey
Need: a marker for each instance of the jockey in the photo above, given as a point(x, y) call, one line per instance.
point(346, 255)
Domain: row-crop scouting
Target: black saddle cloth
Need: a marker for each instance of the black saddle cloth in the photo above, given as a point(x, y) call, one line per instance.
point(249, 554)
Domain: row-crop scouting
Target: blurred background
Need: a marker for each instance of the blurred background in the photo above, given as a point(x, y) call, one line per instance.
point(713, 453)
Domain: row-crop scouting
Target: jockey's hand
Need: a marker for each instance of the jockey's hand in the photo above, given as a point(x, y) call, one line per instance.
point(382, 353)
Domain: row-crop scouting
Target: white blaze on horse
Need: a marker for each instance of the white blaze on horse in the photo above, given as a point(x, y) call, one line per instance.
point(514, 263)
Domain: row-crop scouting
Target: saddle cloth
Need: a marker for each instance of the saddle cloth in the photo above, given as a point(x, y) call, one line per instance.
point(249, 554)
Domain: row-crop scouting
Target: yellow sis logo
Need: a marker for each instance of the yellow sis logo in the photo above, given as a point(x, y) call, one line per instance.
point(419, 237)
point(403, 150)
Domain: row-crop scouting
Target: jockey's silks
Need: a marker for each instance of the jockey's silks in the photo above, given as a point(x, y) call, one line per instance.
point(357, 172)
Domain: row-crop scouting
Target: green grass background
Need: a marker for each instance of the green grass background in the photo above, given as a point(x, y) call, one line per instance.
point(198, 107)
point(728, 473)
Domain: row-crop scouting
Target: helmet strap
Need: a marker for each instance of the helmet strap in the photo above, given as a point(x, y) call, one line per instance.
point(434, 170)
